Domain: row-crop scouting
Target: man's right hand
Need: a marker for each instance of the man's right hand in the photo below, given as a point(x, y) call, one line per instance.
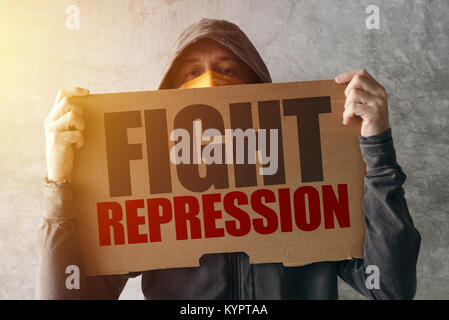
point(63, 129)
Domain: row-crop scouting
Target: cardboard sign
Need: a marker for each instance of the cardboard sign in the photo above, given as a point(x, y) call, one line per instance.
point(167, 176)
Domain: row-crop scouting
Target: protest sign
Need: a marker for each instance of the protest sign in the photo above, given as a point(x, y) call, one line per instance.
point(167, 176)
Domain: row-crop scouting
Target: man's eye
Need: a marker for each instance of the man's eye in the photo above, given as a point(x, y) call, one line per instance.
point(227, 71)
point(193, 73)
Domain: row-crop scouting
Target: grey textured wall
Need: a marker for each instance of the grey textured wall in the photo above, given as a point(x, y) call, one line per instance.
point(122, 44)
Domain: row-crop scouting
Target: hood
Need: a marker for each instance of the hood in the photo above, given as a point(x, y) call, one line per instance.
point(225, 33)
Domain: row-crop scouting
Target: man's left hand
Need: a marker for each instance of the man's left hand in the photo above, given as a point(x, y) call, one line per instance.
point(365, 98)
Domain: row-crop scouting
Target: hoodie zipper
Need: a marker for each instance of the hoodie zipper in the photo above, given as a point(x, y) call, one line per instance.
point(235, 276)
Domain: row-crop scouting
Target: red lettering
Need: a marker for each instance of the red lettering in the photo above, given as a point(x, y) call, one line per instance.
point(155, 219)
point(268, 213)
point(285, 210)
point(299, 201)
point(105, 222)
point(332, 206)
point(133, 221)
point(241, 216)
point(210, 215)
point(184, 214)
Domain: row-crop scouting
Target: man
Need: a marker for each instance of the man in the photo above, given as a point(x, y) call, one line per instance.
point(213, 47)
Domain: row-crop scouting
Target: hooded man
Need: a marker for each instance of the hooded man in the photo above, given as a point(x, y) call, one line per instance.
point(217, 52)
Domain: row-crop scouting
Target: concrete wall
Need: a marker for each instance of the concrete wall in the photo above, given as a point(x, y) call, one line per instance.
point(121, 46)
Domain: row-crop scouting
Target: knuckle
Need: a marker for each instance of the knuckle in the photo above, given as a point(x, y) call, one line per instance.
point(350, 100)
point(52, 138)
point(358, 78)
point(353, 93)
point(378, 102)
point(49, 128)
point(77, 109)
point(347, 91)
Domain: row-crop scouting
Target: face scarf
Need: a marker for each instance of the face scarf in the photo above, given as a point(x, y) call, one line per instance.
point(211, 79)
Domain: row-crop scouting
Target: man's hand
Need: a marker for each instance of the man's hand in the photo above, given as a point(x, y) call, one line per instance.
point(365, 98)
point(63, 128)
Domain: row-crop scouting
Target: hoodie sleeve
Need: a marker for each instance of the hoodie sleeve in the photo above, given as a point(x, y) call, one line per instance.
point(391, 241)
point(60, 268)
